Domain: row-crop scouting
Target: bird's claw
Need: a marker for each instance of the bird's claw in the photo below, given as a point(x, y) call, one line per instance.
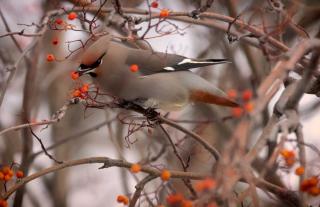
point(151, 114)
point(195, 14)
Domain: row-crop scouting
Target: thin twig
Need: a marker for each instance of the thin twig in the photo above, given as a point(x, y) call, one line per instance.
point(107, 162)
point(193, 135)
point(139, 188)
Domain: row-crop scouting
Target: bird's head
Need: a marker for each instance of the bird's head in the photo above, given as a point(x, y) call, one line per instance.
point(92, 57)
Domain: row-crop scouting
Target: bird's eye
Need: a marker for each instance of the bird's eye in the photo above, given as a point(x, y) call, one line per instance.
point(97, 63)
point(83, 67)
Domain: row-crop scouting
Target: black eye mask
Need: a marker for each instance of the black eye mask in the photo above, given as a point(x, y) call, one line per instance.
point(83, 68)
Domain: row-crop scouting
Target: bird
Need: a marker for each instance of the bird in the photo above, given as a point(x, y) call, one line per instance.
point(148, 78)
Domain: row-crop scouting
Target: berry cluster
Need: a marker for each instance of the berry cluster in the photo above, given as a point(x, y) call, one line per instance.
point(289, 157)
point(6, 174)
point(81, 92)
point(177, 199)
point(245, 98)
point(311, 186)
point(205, 185)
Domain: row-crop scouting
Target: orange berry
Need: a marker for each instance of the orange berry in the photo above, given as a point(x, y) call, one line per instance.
point(10, 173)
point(123, 199)
point(247, 95)
point(50, 57)
point(3, 203)
point(84, 88)
point(7, 177)
point(164, 13)
point(290, 161)
point(205, 185)
point(72, 15)
point(19, 174)
point(313, 181)
point(249, 107)
point(314, 191)
point(287, 153)
point(55, 41)
point(134, 68)
point(289, 157)
point(74, 75)
point(299, 170)
point(307, 184)
point(135, 168)
point(212, 205)
point(76, 93)
point(187, 203)
point(154, 4)
point(165, 175)
point(6, 170)
point(1, 176)
point(59, 21)
point(232, 94)
point(174, 199)
point(237, 112)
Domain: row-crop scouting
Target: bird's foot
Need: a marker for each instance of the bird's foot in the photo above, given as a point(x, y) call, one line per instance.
point(125, 104)
point(151, 114)
point(195, 14)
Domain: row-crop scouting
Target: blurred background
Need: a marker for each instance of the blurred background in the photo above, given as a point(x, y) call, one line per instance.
point(38, 88)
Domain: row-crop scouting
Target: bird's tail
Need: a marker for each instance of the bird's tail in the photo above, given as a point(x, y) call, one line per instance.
point(206, 97)
point(188, 63)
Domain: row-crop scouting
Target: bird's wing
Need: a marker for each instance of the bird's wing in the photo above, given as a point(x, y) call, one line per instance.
point(156, 62)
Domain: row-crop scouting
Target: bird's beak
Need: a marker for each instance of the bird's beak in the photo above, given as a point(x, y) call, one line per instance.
point(89, 71)
point(80, 71)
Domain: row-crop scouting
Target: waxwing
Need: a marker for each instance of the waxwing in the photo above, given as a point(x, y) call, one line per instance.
point(148, 78)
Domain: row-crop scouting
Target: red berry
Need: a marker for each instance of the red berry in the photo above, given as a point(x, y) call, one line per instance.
point(72, 16)
point(154, 4)
point(249, 107)
point(134, 68)
point(164, 13)
point(237, 112)
point(84, 88)
point(19, 174)
point(123, 199)
point(135, 168)
point(59, 21)
point(50, 57)
point(76, 93)
point(74, 75)
point(55, 41)
point(165, 175)
point(247, 95)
